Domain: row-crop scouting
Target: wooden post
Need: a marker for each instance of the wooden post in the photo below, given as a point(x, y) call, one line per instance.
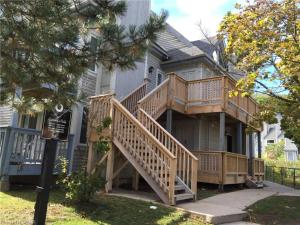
point(110, 169)
point(194, 177)
point(250, 154)
point(239, 138)
point(169, 120)
point(91, 157)
point(135, 180)
point(222, 131)
point(259, 144)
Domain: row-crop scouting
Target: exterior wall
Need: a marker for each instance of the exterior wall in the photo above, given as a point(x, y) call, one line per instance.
point(154, 62)
point(6, 115)
point(192, 71)
point(127, 81)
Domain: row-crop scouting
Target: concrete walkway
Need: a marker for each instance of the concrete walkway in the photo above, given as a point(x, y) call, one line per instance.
point(227, 208)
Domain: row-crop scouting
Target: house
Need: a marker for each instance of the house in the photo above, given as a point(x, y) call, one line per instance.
point(272, 134)
point(173, 123)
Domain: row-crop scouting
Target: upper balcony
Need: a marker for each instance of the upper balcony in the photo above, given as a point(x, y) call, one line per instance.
point(209, 95)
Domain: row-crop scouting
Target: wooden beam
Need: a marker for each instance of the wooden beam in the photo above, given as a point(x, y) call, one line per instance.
point(110, 169)
point(121, 167)
point(91, 158)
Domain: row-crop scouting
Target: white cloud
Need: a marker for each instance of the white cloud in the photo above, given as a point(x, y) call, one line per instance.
point(189, 13)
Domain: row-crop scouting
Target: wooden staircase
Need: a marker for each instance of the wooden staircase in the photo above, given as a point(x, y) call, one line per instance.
point(166, 165)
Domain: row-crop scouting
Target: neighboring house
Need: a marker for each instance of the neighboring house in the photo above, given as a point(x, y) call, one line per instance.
point(182, 89)
point(272, 134)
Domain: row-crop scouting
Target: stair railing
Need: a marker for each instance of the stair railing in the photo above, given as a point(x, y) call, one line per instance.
point(131, 101)
point(155, 102)
point(152, 155)
point(187, 163)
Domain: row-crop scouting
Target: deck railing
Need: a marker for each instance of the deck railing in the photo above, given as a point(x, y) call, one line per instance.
point(25, 147)
point(210, 95)
point(221, 167)
point(258, 168)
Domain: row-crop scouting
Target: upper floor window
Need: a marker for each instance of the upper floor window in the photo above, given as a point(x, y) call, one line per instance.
point(270, 141)
point(159, 77)
point(93, 49)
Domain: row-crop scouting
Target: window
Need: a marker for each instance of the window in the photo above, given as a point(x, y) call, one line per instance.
point(27, 121)
point(84, 123)
point(93, 49)
point(159, 77)
point(270, 141)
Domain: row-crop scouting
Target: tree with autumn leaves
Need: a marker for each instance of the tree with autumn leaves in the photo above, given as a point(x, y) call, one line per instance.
point(262, 39)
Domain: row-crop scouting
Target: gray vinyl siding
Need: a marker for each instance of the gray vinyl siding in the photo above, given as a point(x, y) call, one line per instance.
point(6, 113)
point(127, 81)
point(155, 63)
point(193, 71)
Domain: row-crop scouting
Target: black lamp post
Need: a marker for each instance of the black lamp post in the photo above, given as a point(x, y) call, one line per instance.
point(55, 125)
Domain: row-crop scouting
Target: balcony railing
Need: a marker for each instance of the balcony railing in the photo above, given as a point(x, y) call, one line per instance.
point(221, 167)
point(210, 95)
point(21, 151)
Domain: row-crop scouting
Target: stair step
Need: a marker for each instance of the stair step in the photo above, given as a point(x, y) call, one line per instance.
point(184, 196)
point(179, 187)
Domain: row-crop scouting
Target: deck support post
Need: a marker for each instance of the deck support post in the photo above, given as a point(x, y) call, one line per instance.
point(135, 180)
point(250, 154)
point(110, 169)
point(169, 120)
point(222, 131)
point(259, 144)
point(239, 138)
point(4, 183)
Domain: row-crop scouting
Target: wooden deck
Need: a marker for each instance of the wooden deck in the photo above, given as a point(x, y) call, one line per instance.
point(221, 167)
point(155, 154)
point(208, 96)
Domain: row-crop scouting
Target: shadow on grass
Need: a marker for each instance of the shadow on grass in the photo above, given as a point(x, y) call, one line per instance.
point(111, 209)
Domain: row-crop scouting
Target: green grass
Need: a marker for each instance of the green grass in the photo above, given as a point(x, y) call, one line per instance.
point(279, 210)
point(17, 207)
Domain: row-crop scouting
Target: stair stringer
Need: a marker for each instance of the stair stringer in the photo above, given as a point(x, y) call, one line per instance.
point(163, 196)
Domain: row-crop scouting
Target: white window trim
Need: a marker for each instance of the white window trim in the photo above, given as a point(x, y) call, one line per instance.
point(271, 140)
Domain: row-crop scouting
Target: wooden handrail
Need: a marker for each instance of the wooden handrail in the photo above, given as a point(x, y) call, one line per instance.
point(187, 163)
point(152, 155)
point(140, 126)
point(131, 100)
point(155, 102)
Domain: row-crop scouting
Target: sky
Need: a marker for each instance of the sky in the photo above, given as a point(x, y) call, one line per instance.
point(185, 15)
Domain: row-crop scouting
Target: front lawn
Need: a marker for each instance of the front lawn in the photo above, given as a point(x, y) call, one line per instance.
point(279, 210)
point(17, 207)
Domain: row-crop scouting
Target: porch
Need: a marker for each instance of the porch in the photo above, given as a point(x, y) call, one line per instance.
point(21, 152)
